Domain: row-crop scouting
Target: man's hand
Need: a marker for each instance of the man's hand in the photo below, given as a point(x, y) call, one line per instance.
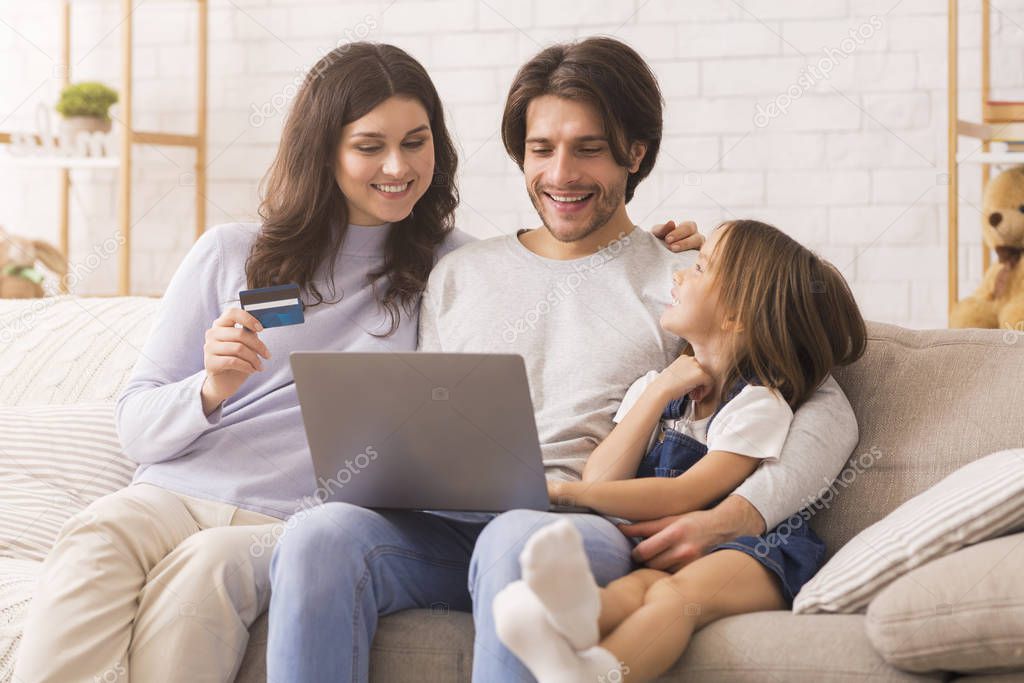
point(676, 541)
point(679, 237)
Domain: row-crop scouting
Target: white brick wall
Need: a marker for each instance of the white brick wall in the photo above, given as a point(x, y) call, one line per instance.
point(852, 168)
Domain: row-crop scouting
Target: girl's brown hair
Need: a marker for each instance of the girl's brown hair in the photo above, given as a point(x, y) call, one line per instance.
point(795, 314)
point(303, 210)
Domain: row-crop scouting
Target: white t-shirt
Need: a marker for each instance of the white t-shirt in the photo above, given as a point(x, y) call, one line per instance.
point(754, 423)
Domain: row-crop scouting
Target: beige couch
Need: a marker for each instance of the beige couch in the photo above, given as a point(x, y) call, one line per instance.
point(928, 402)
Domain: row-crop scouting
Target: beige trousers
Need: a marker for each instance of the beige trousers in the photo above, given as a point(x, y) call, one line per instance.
point(148, 585)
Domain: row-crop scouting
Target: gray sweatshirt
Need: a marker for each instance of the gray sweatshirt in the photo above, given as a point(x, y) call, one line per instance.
point(587, 329)
point(252, 451)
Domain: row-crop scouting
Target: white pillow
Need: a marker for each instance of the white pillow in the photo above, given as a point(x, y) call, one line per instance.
point(977, 502)
point(54, 461)
point(17, 584)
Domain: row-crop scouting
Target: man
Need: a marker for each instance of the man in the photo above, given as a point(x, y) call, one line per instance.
point(579, 298)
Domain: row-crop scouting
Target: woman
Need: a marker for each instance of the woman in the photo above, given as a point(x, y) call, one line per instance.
point(169, 566)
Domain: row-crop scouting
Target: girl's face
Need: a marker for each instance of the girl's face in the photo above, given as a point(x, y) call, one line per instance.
point(694, 314)
point(385, 161)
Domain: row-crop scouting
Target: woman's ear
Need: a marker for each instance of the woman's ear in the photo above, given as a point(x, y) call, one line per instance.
point(637, 151)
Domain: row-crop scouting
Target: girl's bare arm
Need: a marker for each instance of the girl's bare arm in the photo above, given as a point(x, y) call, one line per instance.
point(713, 477)
point(618, 456)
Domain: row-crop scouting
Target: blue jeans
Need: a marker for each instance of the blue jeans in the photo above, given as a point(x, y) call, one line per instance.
point(341, 567)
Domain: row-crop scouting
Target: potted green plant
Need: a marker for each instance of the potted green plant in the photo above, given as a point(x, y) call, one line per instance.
point(85, 107)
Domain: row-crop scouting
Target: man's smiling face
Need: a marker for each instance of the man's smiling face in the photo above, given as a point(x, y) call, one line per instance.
point(571, 175)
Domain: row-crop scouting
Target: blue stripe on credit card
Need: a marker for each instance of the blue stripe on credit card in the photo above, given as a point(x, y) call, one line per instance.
point(273, 306)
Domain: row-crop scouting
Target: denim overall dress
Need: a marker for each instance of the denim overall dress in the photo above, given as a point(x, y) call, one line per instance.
point(791, 550)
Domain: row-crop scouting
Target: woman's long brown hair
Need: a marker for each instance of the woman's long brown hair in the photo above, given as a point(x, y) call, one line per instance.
point(796, 316)
point(303, 210)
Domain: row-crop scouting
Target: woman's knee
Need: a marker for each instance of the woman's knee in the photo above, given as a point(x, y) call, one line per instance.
point(214, 551)
point(120, 515)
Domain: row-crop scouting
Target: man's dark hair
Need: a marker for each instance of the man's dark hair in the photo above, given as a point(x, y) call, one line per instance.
point(607, 74)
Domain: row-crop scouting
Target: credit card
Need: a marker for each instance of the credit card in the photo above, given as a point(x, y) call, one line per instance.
point(273, 306)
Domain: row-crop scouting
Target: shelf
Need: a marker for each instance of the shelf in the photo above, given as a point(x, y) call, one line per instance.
point(165, 139)
point(990, 158)
point(138, 137)
point(42, 161)
point(1003, 112)
point(1002, 123)
point(128, 139)
point(1012, 131)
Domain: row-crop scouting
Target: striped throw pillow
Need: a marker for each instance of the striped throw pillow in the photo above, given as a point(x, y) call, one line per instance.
point(54, 461)
point(979, 501)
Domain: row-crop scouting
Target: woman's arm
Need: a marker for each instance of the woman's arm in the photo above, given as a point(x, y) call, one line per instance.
point(711, 478)
point(160, 410)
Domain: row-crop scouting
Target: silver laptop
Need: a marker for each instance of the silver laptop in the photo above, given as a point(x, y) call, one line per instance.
point(427, 431)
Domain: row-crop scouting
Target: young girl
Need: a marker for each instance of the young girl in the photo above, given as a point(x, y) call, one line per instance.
point(766, 320)
point(161, 581)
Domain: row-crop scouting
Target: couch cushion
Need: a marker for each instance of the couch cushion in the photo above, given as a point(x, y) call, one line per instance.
point(981, 500)
point(17, 583)
point(927, 403)
point(421, 645)
point(70, 349)
point(56, 460)
point(963, 612)
point(782, 646)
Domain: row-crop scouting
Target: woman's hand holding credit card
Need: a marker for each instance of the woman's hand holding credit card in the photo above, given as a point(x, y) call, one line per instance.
point(231, 353)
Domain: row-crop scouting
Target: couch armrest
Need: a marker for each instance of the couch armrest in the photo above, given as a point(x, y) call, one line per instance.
point(963, 612)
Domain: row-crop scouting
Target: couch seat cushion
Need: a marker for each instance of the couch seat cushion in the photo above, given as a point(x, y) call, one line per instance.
point(420, 645)
point(963, 612)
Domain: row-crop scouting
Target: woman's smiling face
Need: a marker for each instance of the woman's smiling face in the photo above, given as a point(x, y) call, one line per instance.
point(385, 161)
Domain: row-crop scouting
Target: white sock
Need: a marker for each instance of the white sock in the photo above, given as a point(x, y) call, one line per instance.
point(556, 569)
point(522, 626)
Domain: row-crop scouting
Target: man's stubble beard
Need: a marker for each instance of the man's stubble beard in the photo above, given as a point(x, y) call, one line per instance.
point(604, 208)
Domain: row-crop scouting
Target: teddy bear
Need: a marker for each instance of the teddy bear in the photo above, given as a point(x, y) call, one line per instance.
point(999, 300)
point(19, 278)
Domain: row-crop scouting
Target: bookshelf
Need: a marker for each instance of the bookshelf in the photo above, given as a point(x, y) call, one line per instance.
point(1001, 122)
point(130, 136)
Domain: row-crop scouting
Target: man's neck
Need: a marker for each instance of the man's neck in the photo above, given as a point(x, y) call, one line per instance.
point(541, 242)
